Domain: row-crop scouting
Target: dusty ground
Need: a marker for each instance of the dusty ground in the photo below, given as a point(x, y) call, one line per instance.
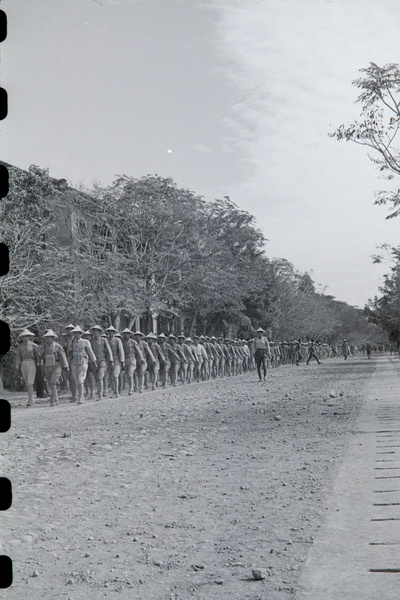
point(177, 493)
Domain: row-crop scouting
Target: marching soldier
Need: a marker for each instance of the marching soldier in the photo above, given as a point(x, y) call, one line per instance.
point(149, 358)
point(28, 358)
point(175, 358)
point(102, 352)
point(67, 350)
point(312, 352)
point(160, 359)
point(54, 360)
point(118, 358)
point(202, 358)
point(80, 354)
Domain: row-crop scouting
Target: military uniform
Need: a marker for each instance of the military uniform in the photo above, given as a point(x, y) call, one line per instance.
point(54, 360)
point(28, 358)
point(80, 353)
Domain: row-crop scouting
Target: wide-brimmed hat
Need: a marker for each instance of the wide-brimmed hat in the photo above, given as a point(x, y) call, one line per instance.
point(96, 327)
point(181, 335)
point(70, 326)
point(127, 330)
point(77, 329)
point(137, 332)
point(260, 329)
point(172, 336)
point(26, 333)
point(162, 336)
point(189, 339)
point(151, 336)
point(111, 328)
point(50, 333)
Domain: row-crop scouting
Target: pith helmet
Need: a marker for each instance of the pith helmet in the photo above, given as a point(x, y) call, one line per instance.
point(260, 329)
point(151, 336)
point(50, 333)
point(77, 329)
point(96, 327)
point(70, 326)
point(111, 328)
point(137, 332)
point(26, 333)
point(162, 336)
point(126, 330)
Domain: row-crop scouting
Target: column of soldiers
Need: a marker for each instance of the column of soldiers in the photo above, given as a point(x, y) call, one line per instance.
point(95, 363)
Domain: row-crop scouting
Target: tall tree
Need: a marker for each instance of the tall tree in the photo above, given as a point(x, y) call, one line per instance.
point(379, 125)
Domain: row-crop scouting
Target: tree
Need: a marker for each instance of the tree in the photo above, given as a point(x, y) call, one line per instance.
point(379, 125)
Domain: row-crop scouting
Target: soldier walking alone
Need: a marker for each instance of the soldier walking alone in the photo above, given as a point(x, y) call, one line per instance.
point(262, 352)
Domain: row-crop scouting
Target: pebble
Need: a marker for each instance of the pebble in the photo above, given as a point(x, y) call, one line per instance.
point(332, 394)
point(278, 418)
point(258, 574)
point(35, 573)
point(219, 581)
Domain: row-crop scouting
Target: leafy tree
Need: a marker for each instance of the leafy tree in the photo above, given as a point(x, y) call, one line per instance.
point(379, 125)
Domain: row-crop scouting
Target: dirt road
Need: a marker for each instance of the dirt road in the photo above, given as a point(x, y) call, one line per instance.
point(178, 493)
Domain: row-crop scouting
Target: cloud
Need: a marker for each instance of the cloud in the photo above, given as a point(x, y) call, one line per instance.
point(203, 149)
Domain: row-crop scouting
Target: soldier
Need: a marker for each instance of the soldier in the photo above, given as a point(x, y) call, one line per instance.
point(80, 354)
point(192, 359)
point(261, 352)
point(206, 364)
point(140, 373)
point(202, 358)
point(312, 352)
point(118, 356)
point(28, 358)
point(246, 360)
point(69, 338)
point(102, 352)
point(182, 351)
point(216, 357)
point(160, 359)
point(166, 350)
point(175, 359)
point(89, 381)
point(132, 353)
point(54, 360)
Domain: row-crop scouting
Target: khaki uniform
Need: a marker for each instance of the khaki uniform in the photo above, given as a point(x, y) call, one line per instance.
point(54, 360)
point(80, 354)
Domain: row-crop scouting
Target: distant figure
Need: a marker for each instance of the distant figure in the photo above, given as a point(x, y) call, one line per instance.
point(312, 353)
point(345, 349)
point(369, 350)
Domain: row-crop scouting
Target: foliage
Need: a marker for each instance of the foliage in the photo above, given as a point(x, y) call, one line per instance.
point(379, 124)
point(145, 247)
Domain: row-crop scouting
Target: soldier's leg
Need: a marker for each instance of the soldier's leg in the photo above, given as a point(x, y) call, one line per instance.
point(53, 379)
point(28, 369)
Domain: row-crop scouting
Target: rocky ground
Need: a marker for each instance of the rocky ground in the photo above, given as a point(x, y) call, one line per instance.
point(178, 493)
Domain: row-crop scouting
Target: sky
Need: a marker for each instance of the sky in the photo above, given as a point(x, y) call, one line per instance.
point(228, 97)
